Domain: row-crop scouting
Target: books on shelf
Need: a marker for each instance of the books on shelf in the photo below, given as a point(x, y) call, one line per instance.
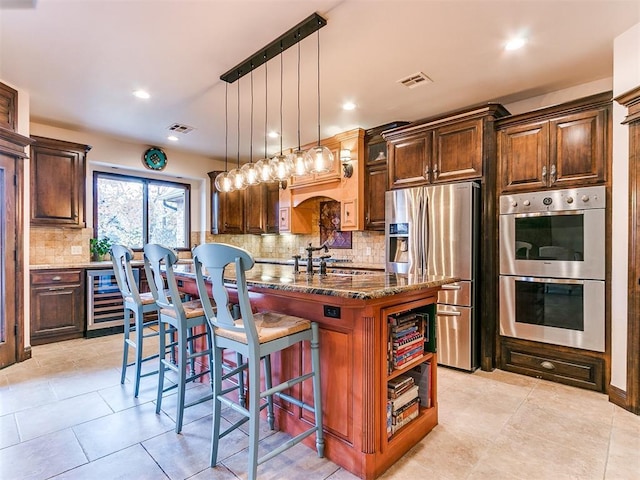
point(405, 398)
point(397, 386)
point(406, 338)
point(421, 375)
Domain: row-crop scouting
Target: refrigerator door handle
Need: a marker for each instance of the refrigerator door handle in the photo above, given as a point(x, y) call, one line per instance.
point(448, 313)
point(451, 287)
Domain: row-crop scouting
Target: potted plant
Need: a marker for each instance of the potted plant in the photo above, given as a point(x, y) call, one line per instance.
point(99, 248)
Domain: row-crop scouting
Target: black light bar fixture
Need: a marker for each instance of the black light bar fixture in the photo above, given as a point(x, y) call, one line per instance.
point(309, 25)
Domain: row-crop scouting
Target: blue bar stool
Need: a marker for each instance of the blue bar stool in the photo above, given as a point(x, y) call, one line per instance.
point(255, 336)
point(138, 304)
point(183, 317)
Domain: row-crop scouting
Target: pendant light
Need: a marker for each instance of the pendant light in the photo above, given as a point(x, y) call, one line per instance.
point(236, 175)
point(298, 161)
point(319, 158)
point(222, 181)
point(263, 167)
point(249, 169)
point(281, 165)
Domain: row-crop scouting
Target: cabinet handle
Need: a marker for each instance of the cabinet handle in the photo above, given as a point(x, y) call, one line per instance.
point(548, 365)
point(346, 212)
point(544, 173)
point(435, 171)
point(53, 289)
point(426, 172)
point(57, 278)
point(552, 174)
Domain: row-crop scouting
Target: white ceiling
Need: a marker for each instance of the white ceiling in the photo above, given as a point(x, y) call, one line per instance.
point(80, 60)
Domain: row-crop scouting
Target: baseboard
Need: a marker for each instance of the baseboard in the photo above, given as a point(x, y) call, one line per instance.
point(26, 354)
point(619, 397)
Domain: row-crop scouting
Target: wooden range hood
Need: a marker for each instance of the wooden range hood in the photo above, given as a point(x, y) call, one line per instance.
point(294, 213)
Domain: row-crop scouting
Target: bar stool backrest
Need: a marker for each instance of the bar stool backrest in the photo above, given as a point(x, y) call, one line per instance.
point(214, 258)
point(159, 260)
point(121, 258)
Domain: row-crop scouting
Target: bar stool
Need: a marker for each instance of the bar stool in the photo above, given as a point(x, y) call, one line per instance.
point(184, 317)
point(138, 304)
point(255, 336)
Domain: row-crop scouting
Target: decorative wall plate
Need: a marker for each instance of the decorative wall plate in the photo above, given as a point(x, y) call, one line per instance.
point(154, 159)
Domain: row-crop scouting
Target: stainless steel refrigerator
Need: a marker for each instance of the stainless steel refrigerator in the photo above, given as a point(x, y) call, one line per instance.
point(434, 230)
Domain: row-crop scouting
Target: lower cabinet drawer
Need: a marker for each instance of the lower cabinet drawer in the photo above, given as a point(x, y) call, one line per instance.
point(563, 366)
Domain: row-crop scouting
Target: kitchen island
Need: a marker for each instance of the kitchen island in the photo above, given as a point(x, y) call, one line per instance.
point(353, 312)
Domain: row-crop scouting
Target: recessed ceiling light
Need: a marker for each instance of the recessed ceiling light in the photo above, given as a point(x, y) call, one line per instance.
point(172, 138)
point(273, 134)
point(515, 43)
point(141, 94)
point(348, 106)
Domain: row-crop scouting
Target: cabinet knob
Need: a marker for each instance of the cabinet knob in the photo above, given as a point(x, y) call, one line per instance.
point(552, 174)
point(544, 173)
point(548, 365)
point(435, 171)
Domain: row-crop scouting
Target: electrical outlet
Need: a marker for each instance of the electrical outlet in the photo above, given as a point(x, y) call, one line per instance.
point(367, 251)
point(76, 250)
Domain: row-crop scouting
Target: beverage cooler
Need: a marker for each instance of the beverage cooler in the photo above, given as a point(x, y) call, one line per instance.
point(105, 311)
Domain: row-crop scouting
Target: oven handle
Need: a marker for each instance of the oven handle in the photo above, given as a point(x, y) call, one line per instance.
point(565, 281)
point(548, 214)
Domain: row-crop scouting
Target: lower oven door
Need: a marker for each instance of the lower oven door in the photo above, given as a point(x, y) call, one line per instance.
point(550, 310)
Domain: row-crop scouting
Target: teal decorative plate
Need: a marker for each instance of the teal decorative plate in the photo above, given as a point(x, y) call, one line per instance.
point(154, 159)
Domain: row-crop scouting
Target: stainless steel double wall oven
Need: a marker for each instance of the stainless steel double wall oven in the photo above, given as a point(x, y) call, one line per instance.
point(552, 267)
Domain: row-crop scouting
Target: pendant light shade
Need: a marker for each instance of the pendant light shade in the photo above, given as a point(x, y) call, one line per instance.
point(223, 182)
point(319, 159)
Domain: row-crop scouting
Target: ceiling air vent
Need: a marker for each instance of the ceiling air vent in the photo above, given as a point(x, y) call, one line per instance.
point(415, 80)
point(179, 128)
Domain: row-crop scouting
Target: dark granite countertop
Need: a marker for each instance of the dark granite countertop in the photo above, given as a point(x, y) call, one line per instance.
point(358, 286)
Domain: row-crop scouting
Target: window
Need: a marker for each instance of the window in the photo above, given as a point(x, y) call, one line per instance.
point(133, 211)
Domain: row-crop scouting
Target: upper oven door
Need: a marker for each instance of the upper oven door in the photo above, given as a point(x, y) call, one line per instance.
point(562, 244)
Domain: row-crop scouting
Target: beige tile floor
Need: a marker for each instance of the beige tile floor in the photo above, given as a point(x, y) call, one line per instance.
point(64, 415)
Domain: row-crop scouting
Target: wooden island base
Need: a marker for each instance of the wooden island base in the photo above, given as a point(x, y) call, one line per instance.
point(354, 373)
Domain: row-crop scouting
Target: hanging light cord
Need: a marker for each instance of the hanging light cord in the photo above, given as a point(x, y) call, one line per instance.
point(298, 93)
point(226, 125)
point(318, 36)
point(251, 127)
point(238, 154)
point(266, 103)
point(280, 99)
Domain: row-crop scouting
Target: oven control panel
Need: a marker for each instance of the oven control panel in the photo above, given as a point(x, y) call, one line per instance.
point(585, 198)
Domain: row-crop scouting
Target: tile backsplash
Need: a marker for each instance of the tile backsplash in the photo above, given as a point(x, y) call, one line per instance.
point(59, 246)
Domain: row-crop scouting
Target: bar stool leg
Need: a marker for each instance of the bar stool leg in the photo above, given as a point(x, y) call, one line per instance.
point(254, 415)
point(182, 376)
point(242, 399)
point(161, 368)
point(138, 319)
point(317, 391)
point(216, 374)
point(125, 350)
point(269, 383)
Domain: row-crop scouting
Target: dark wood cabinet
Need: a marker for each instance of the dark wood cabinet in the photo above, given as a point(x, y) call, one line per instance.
point(410, 160)
point(57, 305)
point(253, 210)
point(457, 152)
point(8, 107)
point(261, 208)
point(578, 368)
point(58, 182)
point(376, 175)
point(557, 147)
point(441, 150)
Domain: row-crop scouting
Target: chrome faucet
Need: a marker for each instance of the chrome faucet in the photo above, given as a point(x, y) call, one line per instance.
point(310, 249)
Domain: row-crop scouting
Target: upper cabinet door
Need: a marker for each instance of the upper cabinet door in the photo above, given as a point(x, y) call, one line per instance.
point(577, 156)
point(524, 155)
point(457, 152)
point(409, 161)
point(254, 206)
point(57, 182)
